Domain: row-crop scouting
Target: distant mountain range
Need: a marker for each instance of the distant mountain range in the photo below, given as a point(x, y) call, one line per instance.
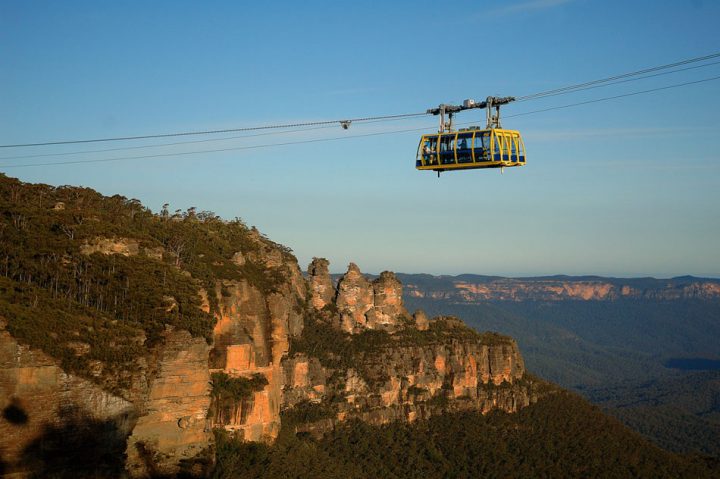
point(469, 288)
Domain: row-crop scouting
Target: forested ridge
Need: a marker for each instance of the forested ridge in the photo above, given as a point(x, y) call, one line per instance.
point(81, 306)
point(560, 436)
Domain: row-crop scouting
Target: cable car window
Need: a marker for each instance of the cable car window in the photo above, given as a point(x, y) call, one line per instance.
point(444, 142)
point(464, 153)
point(430, 151)
point(496, 146)
point(447, 151)
point(477, 142)
point(481, 145)
point(513, 148)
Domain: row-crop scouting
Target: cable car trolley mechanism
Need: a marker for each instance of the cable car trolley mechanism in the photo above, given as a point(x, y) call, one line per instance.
point(472, 147)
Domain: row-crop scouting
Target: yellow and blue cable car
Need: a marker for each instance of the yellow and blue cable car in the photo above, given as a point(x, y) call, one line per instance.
point(474, 147)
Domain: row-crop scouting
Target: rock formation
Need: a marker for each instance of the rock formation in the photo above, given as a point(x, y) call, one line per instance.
point(354, 300)
point(409, 381)
point(321, 286)
point(164, 421)
point(369, 305)
point(387, 302)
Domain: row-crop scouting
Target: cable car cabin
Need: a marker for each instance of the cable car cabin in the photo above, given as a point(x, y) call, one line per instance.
point(470, 148)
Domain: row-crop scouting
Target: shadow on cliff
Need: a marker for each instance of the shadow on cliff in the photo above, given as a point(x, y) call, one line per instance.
point(15, 414)
point(79, 446)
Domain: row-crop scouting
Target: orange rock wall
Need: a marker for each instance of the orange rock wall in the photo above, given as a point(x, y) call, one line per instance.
point(172, 425)
point(38, 398)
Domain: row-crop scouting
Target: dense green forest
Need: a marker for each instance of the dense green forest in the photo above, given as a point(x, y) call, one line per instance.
point(679, 413)
point(560, 436)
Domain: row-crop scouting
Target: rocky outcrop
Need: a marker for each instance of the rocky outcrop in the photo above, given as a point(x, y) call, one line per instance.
point(387, 302)
point(121, 246)
point(420, 368)
point(321, 287)
point(354, 300)
point(365, 305)
point(407, 369)
point(196, 324)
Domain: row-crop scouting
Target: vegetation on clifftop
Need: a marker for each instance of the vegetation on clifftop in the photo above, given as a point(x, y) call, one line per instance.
point(61, 292)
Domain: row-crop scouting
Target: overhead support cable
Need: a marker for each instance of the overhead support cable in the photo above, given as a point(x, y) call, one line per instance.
point(617, 77)
point(345, 137)
point(616, 96)
point(617, 82)
point(188, 142)
point(345, 123)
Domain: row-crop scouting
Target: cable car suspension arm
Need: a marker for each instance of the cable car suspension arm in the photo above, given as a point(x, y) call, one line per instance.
point(490, 104)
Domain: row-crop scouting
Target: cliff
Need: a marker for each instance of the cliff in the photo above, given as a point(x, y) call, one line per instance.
point(473, 288)
point(362, 356)
point(140, 334)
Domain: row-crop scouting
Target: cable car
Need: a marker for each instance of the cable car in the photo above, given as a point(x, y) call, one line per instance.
point(473, 147)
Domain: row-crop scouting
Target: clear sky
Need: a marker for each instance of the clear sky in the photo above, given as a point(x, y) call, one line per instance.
point(625, 187)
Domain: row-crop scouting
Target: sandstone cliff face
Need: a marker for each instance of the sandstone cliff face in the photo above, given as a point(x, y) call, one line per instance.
point(40, 402)
point(171, 427)
point(507, 289)
point(251, 337)
point(174, 325)
point(409, 382)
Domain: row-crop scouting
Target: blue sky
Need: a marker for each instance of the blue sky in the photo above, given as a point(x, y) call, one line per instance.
point(625, 187)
